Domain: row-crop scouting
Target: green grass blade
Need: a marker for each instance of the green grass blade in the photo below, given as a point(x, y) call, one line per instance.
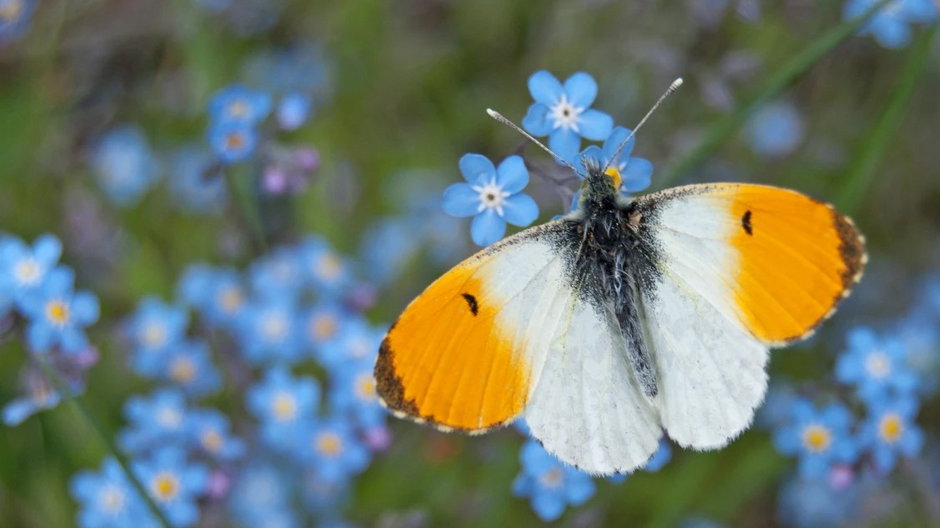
point(783, 77)
point(862, 171)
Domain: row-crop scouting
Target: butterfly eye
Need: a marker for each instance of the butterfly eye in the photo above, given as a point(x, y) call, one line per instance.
point(614, 175)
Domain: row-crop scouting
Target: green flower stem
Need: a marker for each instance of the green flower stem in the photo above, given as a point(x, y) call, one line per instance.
point(783, 77)
point(102, 433)
point(862, 171)
point(247, 208)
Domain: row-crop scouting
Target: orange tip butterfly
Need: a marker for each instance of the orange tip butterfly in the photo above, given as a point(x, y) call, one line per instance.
point(622, 319)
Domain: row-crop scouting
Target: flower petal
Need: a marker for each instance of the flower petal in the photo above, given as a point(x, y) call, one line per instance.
point(86, 308)
point(48, 249)
point(545, 88)
point(520, 210)
point(581, 89)
point(460, 200)
point(536, 120)
point(472, 166)
point(565, 143)
point(512, 174)
point(638, 174)
point(487, 227)
point(615, 139)
point(591, 153)
point(595, 125)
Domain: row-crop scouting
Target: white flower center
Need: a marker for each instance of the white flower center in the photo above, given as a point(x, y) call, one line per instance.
point(27, 272)
point(154, 335)
point(323, 327)
point(111, 499)
point(878, 365)
point(274, 326)
point(169, 417)
point(565, 115)
point(491, 196)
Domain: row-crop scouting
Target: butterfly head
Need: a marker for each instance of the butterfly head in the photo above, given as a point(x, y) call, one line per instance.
point(600, 184)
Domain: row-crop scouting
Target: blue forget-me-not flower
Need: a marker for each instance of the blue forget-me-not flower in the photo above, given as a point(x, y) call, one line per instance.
point(174, 483)
point(564, 113)
point(124, 164)
point(819, 437)
point(23, 268)
point(58, 315)
point(492, 196)
point(875, 364)
point(891, 25)
point(890, 431)
point(550, 485)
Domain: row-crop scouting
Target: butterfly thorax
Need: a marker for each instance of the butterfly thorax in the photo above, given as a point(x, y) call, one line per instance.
point(614, 262)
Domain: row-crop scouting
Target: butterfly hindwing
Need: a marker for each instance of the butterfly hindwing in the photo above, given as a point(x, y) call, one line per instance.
point(588, 408)
point(741, 267)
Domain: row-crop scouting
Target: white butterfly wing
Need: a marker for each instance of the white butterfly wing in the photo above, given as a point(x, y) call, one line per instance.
point(740, 268)
point(587, 409)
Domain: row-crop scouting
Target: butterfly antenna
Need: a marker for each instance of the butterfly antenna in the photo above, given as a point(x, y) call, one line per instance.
point(672, 88)
point(499, 117)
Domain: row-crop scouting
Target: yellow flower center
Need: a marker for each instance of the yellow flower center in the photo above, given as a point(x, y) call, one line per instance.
point(816, 438)
point(234, 141)
point(231, 299)
point(552, 478)
point(154, 335)
point(891, 428)
point(11, 10)
point(329, 266)
point(165, 486)
point(329, 444)
point(58, 312)
point(183, 370)
point(111, 499)
point(323, 327)
point(615, 176)
point(27, 271)
point(365, 387)
point(211, 440)
point(284, 407)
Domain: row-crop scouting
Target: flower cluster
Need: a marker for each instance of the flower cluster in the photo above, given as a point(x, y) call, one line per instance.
point(126, 166)
point(884, 375)
point(493, 195)
point(38, 295)
point(296, 305)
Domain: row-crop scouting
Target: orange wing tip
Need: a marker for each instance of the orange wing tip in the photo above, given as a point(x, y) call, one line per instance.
point(391, 392)
point(854, 256)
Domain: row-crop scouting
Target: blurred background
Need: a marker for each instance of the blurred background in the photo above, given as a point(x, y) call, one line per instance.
point(231, 200)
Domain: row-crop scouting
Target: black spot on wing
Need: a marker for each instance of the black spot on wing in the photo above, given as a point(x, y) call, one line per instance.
point(471, 303)
point(746, 223)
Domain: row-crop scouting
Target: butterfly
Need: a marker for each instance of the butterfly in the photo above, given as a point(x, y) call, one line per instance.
point(623, 319)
